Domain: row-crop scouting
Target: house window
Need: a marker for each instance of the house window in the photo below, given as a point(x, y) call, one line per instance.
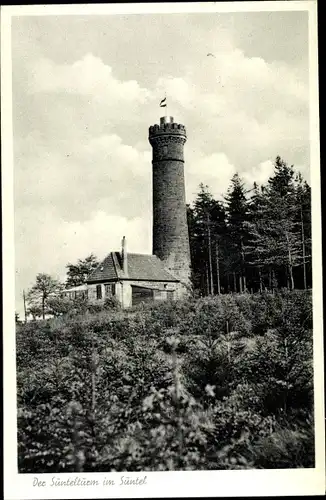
point(98, 292)
point(109, 289)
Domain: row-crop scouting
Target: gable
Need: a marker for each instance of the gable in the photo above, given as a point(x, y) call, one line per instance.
point(105, 271)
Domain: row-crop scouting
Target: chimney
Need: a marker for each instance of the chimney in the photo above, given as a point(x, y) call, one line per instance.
point(124, 256)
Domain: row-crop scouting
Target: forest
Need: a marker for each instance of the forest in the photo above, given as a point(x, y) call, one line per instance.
point(255, 239)
point(223, 380)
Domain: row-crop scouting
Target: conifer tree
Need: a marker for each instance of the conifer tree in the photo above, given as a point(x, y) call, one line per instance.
point(274, 229)
point(237, 214)
point(303, 195)
point(256, 249)
point(206, 222)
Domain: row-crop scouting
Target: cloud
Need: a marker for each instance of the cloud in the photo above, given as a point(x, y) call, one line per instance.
point(51, 242)
point(88, 76)
point(244, 106)
point(259, 174)
point(75, 179)
point(214, 170)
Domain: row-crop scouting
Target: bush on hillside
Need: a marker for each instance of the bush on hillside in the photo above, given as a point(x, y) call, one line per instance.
point(218, 383)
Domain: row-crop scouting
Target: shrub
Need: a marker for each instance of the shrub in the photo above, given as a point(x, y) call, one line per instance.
point(285, 447)
point(170, 386)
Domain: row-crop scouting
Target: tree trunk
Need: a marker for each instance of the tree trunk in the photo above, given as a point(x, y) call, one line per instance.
point(234, 282)
point(243, 272)
point(244, 283)
point(210, 267)
point(291, 277)
point(218, 270)
point(273, 280)
point(240, 283)
point(260, 281)
point(207, 279)
point(270, 278)
point(303, 252)
point(25, 311)
point(290, 263)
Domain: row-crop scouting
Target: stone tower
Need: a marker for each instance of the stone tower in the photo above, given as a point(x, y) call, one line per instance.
point(170, 228)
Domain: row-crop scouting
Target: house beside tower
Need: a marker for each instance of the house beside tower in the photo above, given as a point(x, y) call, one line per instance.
point(133, 278)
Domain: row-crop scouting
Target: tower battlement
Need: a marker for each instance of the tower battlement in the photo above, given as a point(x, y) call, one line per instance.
point(167, 126)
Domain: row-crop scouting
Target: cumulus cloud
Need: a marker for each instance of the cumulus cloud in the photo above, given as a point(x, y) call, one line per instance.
point(76, 179)
point(259, 174)
point(51, 242)
point(244, 106)
point(214, 170)
point(88, 76)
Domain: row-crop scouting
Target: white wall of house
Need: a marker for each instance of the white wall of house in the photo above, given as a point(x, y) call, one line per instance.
point(101, 291)
point(125, 294)
point(97, 293)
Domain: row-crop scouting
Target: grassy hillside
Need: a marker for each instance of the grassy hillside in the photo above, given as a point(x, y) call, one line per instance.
point(216, 383)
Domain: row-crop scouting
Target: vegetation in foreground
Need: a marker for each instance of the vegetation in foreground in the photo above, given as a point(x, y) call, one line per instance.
point(222, 382)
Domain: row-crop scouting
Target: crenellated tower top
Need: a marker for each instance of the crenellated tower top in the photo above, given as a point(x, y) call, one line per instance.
point(167, 127)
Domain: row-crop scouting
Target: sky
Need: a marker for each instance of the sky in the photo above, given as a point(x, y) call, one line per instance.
point(85, 91)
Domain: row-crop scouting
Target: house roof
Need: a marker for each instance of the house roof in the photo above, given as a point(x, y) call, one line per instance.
point(141, 267)
point(106, 270)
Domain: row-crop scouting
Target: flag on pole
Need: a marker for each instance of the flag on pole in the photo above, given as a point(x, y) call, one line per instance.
point(163, 103)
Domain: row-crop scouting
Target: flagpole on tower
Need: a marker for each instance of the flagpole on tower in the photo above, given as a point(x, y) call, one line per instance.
point(163, 104)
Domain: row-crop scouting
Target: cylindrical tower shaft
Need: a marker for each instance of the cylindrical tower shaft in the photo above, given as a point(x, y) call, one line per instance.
point(170, 228)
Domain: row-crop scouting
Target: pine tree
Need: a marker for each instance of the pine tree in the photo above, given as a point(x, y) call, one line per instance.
point(303, 195)
point(202, 211)
point(256, 248)
point(274, 229)
point(237, 214)
point(206, 222)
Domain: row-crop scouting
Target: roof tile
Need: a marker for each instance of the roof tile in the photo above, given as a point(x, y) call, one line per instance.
point(140, 267)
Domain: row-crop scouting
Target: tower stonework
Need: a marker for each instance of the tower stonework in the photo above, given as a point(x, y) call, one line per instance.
point(170, 228)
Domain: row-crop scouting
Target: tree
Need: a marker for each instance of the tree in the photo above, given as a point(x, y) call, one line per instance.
point(77, 274)
point(255, 247)
point(35, 311)
point(274, 228)
point(237, 214)
point(59, 305)
point(206, 222)
point(45, 288)
point(219, 231)
point(303, 194)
